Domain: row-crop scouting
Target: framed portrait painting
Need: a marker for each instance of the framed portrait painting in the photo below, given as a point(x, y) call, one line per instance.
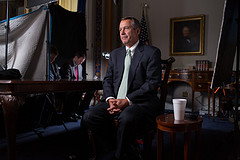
point(187, 35)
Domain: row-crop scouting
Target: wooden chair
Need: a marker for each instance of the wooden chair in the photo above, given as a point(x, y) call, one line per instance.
point(149, 132)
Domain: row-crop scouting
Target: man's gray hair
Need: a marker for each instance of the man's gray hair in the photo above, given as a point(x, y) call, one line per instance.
point(135, 23)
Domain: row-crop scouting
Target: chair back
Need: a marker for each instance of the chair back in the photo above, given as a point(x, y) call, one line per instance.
point(166, 67)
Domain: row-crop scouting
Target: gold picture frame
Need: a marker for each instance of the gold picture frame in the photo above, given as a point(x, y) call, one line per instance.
point(187, 35)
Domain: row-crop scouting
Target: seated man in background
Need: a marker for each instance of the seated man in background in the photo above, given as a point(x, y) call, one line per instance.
point(44, 112)
point(75, 102)
point(72, 69)
point(54, 71)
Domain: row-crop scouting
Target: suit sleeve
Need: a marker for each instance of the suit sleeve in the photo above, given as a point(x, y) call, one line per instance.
point(58, 76)
point(152, 79)
point(108, 81)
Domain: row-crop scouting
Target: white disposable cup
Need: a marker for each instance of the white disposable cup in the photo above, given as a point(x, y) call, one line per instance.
point(179, 107)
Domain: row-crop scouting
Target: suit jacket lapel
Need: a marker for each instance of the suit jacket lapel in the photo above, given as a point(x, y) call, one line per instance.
point(54, 70)
point(121, 59)
point(135, 61)
point(72, 68)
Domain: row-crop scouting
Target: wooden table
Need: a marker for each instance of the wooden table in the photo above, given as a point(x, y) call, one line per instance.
point(198, 80)
point(12, 95)
point(167, 123)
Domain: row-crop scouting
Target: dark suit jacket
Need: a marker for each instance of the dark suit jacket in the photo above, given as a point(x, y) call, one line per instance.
point(144, 76)
point(54, 71)
point(67, 71)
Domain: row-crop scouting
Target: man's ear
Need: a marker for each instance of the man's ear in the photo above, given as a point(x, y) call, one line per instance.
point(138, 31)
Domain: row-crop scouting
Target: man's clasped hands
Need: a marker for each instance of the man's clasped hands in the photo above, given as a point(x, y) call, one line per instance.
point(117, 105)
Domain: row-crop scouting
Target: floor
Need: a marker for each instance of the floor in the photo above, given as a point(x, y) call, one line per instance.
point(218, 141)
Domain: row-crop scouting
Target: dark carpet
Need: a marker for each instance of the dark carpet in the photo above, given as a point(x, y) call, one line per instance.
point(218, 141)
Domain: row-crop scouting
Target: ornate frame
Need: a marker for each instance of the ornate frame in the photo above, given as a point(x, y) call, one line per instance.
point(180, 43)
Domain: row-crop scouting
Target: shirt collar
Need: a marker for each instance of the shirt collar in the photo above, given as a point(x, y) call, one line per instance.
point(133, 47)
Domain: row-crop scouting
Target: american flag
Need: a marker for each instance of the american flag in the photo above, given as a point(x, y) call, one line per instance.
point(143, 38)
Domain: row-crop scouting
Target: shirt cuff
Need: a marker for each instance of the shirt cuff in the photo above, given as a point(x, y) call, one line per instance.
point(109, 98)
point(130, 102)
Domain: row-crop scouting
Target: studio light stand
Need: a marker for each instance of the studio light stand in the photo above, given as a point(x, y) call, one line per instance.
point(6, 38)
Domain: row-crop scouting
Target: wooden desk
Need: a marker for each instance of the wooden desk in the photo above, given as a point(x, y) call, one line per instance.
point(12, 94)
point(198, 80)
point(168, 124)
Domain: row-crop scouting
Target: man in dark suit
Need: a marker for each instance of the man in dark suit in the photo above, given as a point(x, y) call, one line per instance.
point(72, 69)
point(75, 103)
point(138, 106)
point(54, 71)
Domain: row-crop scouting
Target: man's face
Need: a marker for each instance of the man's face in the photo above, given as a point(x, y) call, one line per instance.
point(128, 35)
point(186, 31)
point(79, 60)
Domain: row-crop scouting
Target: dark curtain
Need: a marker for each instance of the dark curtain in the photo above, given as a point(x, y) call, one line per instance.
point(227, 46)
point(68, 32)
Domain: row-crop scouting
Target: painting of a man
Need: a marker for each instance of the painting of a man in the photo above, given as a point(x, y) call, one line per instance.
point(187, 35)
point(186, 42)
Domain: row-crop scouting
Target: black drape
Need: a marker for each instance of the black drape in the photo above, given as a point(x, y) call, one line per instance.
point(68, 32)
point(227, 45)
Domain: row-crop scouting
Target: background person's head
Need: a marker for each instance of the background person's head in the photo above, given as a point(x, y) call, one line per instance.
point(79, 58)
point(53, 53)
point(129, 29)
